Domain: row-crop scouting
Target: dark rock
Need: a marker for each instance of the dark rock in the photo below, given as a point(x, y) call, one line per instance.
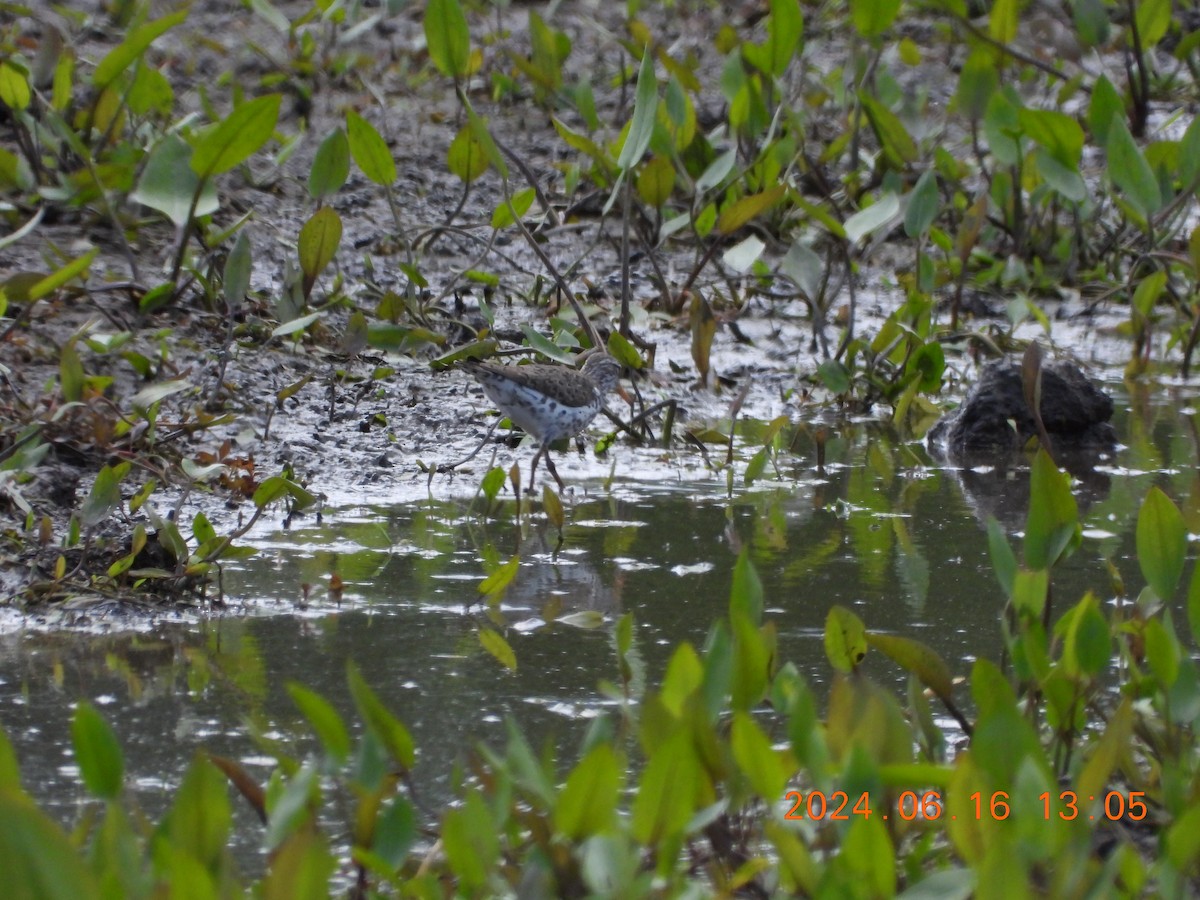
point(995, 421)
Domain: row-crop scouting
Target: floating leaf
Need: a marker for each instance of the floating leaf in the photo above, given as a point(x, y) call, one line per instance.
point(495, 644)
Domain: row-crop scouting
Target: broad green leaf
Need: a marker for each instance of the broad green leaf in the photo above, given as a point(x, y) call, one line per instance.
point(1161, 543)
point(498, 581)
point(1064, 179)
point(125, 53)
point(667, 794)
point(448, 37)
point(922, 205)
point(1153, 19)
point(845, 639)
point(588, 802)
point(744, 254)
point(508, 211)
point(1059, 133)
point(717, 171)
point(331, 165)
point(656, 180)
point(494, 643)
point(97, 752)
point(1004, 562)
point(471, 843)
point(805, 268)
point(105, 495)
point(835, 376)
point(369, 150)
point(1003, 20)
point(198, 822)
point(1105, 106)
point(14, 86)
point(38, 860)
point(236, 281)
point(872, 218)
point(236, 138)
point(918, 658)
point(387, 728)
point(645, 111)
point(168, 183)
point(1053, 521)
point(1086, 640)
point(319, 239)
point(482, 134)
point(872, 18)
point(757, 759)
point(71, 376)
point(1129, 170)
point(977, 82)
point(898, 146)
point(784, 30)
point(748, 208)
point(299, 868)
point(324, 719)
point(466, 157)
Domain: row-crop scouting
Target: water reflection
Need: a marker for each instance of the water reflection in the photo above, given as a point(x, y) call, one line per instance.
point(880, 529)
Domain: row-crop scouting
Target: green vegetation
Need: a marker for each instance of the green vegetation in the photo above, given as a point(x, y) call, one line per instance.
point(726, 779)
point(130, 183)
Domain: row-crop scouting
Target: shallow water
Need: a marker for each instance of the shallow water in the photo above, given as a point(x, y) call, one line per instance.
point(881, 529)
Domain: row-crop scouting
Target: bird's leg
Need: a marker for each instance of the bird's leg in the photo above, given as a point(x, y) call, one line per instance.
point(554, 472)
point(533, 468)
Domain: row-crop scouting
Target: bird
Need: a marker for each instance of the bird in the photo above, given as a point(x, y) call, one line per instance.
point(548, 401)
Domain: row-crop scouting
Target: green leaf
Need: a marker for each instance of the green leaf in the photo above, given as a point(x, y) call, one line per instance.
point(1059, 133)
point(1153, 19)
point(1161, 543)
point(746, 595)
point(97, 752)
point(784, 30)
point(236, 138)
point(125, 53)
point(977, 82)
point(37, 858)
point(509, 210)
point(71, 376)
point(494, 643)
point(666, 796)
point(466, 157)
point(1129, 170)
point(198, 822)
point(922, 205)
point(324, 719)
point(319, 239)
point(587, 804)
point(835, 376)
point(1105, 106)
point(716, 171)
point(757, 759)
point(1053, 521)
point(898, 146)
point(656, 180)
point(14, 86)
point(845, 639)
point(369, 150)
point(70, 271)
point(448, 37)
point(236, 281)
point(918, 658)
point(872, 218)
point(1003, 21)
point(105, 495)
point(498, 581)
point(1004, 562)
point(872, 18)
point(471, 843)
point(645, 111)
point(330, 166)
point(387, 728)
point(748, 208)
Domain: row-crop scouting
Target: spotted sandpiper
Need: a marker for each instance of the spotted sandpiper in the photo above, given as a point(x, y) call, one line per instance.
point(549, 402)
